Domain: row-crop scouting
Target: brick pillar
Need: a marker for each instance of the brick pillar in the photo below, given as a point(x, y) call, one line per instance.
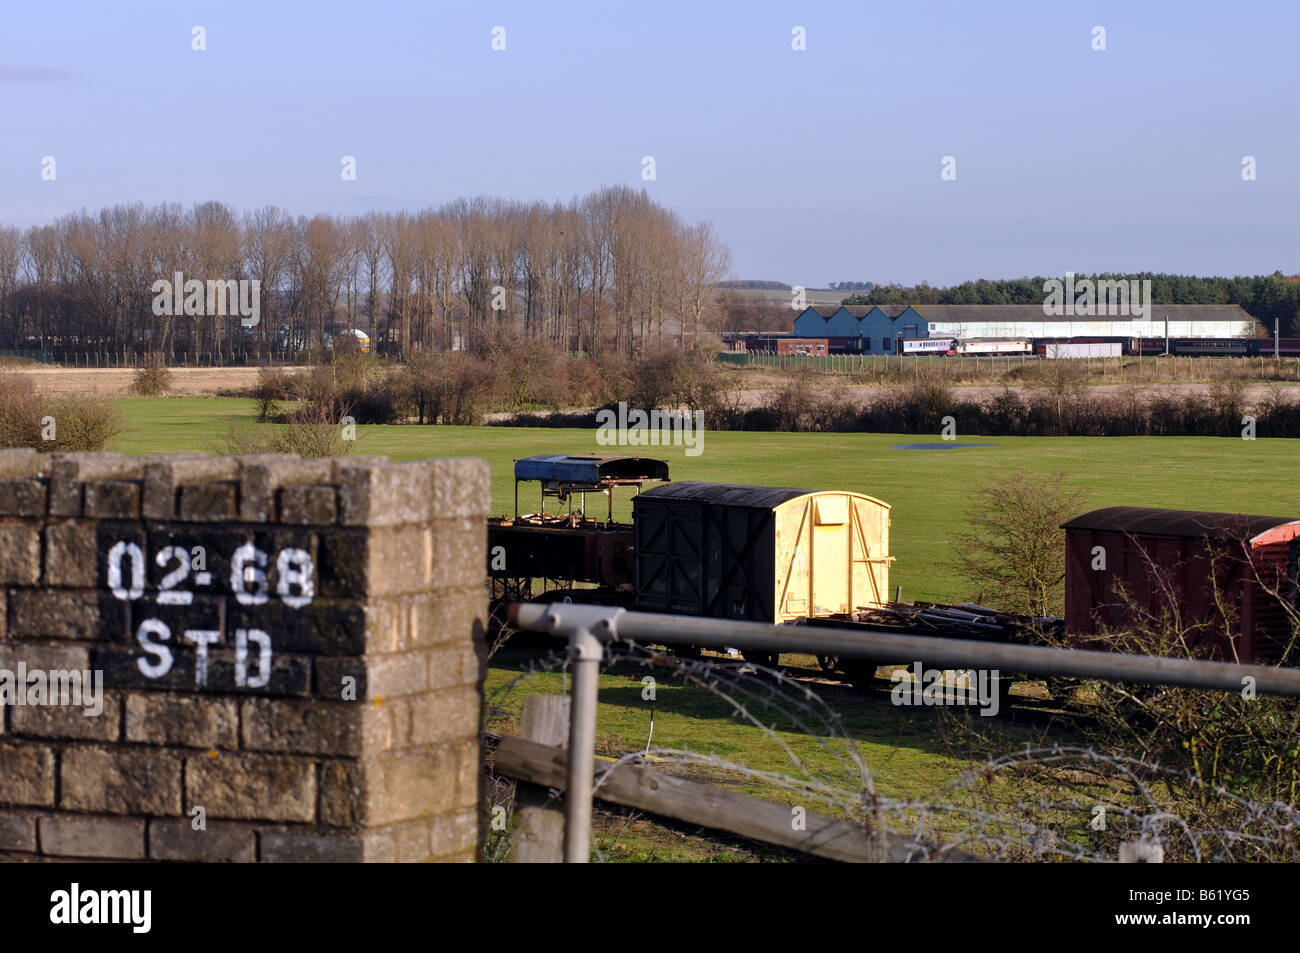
point(292, 651)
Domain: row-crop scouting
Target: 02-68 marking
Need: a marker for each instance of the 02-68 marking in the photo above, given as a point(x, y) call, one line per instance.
point(248, 582)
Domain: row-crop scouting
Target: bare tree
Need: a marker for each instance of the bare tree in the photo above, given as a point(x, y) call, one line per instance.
point(702, 261)
point(268, 245)
point(609, 269)
point(1011, 551)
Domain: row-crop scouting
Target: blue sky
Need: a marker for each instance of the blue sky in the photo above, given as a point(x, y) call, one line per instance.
point(816, 166)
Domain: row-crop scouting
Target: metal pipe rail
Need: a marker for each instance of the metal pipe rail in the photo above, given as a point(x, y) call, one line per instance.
point(588, 627)
point(608, 623)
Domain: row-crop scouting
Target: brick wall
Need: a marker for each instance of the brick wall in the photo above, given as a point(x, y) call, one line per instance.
point(292, 654)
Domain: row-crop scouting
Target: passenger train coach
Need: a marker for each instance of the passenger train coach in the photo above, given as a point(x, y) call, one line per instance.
point(1129, 347)
point(954, 346)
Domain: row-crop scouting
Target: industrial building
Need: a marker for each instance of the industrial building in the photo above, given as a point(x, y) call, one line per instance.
point(877, 329)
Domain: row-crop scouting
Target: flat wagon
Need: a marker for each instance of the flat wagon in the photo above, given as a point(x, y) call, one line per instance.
point(570, 545)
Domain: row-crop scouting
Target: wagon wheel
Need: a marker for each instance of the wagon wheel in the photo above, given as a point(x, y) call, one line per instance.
point(1003, 689)
point(860, 674)
point(502, 592)
point(828, 663)
point(766, 659)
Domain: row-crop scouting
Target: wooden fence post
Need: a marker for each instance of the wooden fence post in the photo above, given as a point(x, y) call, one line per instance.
point(1141, 852)
point(539, 830)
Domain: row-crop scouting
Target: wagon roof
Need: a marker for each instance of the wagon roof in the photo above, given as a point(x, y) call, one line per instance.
point(734, 494)
point(589, 468)
point(1147, 521)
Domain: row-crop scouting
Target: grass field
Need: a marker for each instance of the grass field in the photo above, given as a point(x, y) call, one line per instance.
point(813, 296)
point(929, 490)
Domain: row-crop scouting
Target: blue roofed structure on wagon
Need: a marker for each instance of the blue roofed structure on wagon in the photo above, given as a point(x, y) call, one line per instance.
point(564, 476)
point(556, 471)
point(567, 547)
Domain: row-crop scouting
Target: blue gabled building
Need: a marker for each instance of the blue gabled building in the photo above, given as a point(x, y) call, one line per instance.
point(862, 329)
point(811, 323)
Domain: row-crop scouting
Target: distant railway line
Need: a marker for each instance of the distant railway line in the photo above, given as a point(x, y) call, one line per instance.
point(787, 345)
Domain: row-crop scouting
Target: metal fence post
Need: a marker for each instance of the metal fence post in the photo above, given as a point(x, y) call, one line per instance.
point(585, 651)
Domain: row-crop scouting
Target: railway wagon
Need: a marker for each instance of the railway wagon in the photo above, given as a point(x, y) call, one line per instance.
point(1213, 347)
point(1285, 347)
point(571, 545)
point(1065, 349)
point(1210, 347)
point(759, 553)
point(1226, 575)
point(993, 346)
point(928, 346)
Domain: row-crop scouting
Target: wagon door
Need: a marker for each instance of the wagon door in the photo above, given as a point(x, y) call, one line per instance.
point(794, 562)
point(831, 576)
point(738, 563)
point(869, 551)
point(670, 557)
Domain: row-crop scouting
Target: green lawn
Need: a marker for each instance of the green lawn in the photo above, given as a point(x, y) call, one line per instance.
point(929, 492)
point(899, 746)
point(928, 489)
point(691, 718)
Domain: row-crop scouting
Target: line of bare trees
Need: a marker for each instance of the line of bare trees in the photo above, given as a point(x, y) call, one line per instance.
point(611, 270)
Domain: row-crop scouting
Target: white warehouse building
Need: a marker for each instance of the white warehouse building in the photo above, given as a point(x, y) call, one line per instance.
point(878, 329)
point(967, 321)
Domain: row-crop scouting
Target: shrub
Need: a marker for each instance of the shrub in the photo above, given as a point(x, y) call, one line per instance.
point(311, 435)
point(1278, 416)
point(152, 378)
point(272, 385)
point(793, 405)
point(367, 407)
point(1011, 553)
point(1006, 413)
point(1234, 741)
point(760, 419)
point(933, 397)
point(27, 419)
point(82, 423)
point(658, 379)
point(20, 412)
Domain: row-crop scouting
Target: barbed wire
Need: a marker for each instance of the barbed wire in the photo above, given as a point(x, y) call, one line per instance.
point(1046, 802)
